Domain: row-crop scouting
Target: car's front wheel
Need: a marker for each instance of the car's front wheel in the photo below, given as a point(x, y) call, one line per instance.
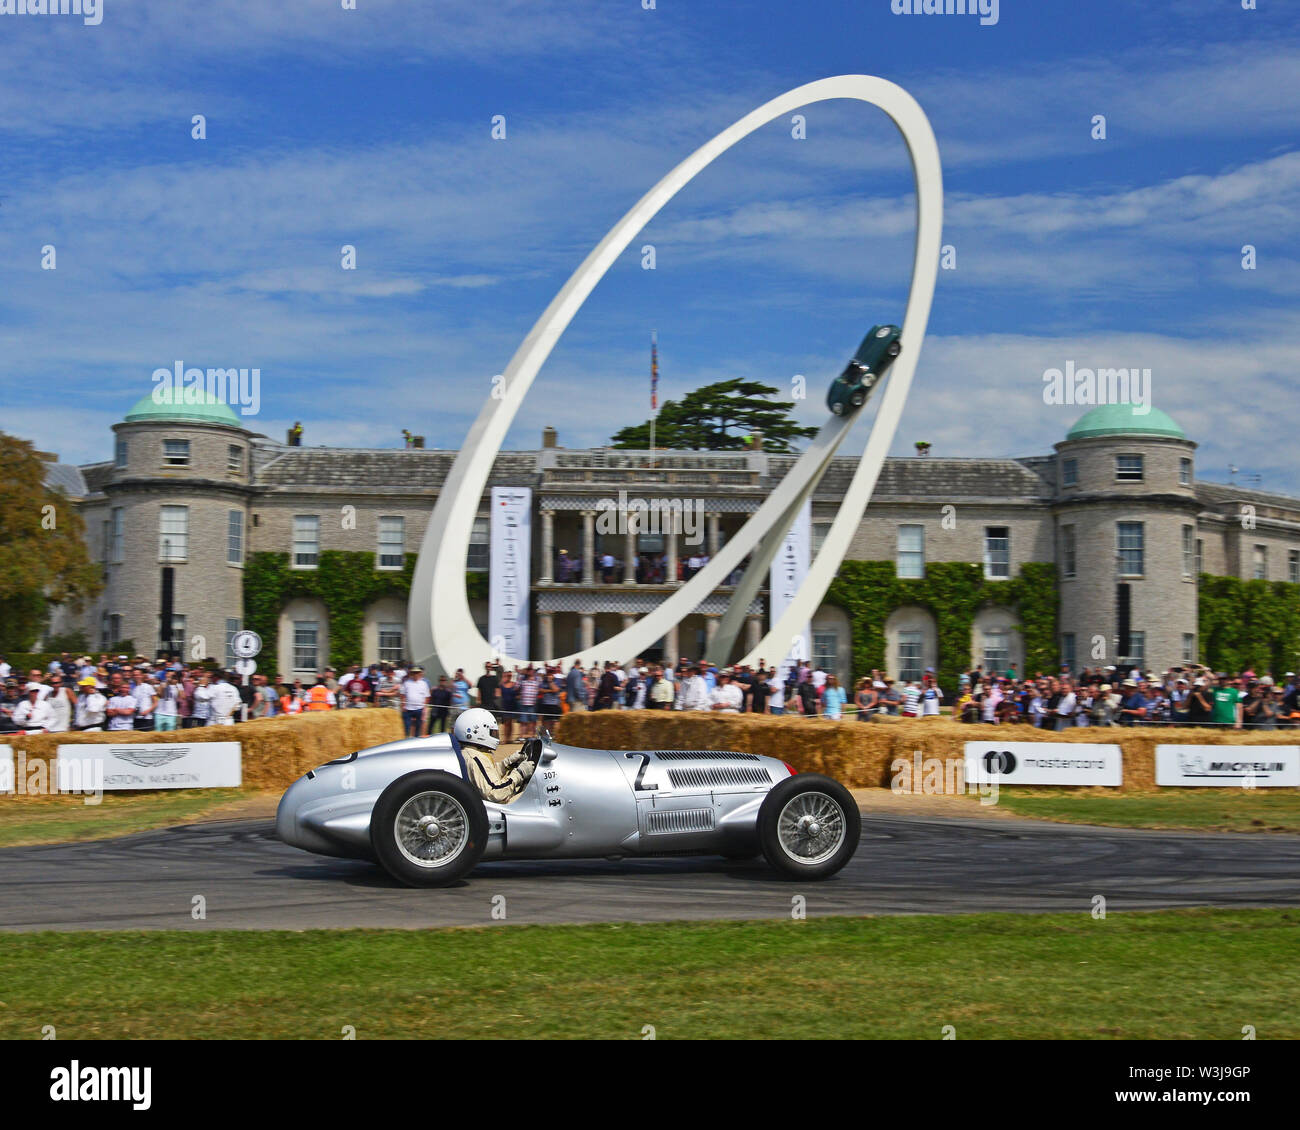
point(429, 828)
point(809, 826)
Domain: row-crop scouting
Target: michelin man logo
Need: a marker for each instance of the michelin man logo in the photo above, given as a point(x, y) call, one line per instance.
point(442, 632)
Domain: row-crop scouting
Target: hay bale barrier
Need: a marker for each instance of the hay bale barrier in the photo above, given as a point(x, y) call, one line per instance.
point(276, 751)
point(859, 754)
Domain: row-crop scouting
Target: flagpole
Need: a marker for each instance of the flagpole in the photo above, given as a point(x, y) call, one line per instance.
point(654, 390)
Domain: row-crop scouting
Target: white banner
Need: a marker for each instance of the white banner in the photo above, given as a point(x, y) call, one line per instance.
point(1043, 763)
point(510, 577)
point(6, 768)
point(182, 765)
point(1235, 766)
point(789, 568)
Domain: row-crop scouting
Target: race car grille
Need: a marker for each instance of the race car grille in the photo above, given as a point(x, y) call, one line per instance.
point(697, 754)
point(679, 820)
point(723, 775)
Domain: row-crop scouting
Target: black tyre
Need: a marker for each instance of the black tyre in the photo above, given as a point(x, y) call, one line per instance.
point(894, 349)
point(858, 399)
point(429, 829)
point(809, 826)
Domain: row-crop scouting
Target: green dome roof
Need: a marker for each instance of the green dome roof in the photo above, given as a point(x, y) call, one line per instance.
point(192, 406)
point(1125, 420)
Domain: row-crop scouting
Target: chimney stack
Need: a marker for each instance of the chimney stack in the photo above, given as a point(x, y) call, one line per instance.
point(550, 437)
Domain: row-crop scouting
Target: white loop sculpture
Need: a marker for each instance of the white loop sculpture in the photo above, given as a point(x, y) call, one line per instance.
point(442, 631)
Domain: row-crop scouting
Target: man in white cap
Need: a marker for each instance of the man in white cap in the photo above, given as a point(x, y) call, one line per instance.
point(90, 705)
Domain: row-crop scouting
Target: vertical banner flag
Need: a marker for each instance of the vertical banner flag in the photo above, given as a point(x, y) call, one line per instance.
point(789, 568)
point(510, 576)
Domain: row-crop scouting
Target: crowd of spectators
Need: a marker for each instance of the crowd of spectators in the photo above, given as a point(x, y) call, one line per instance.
point(648, 569)
point(120, 693)
point(1190, 695)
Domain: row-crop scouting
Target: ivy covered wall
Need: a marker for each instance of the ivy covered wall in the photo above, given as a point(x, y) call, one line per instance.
point(345, 582)
point(1248, 624)
point(953, 591)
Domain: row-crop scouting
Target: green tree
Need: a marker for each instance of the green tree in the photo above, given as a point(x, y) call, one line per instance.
point(43, 558)
point(719, 417)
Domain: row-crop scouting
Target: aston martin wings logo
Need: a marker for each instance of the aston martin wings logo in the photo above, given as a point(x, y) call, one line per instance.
point(151, 759)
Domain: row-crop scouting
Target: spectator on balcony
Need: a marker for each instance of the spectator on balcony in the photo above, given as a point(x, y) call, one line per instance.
point(608, 568)
point(564, 566)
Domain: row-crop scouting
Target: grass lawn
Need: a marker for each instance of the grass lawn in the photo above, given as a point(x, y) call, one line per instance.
point(1205, 810)
point(62, 819)
point(1165, 975)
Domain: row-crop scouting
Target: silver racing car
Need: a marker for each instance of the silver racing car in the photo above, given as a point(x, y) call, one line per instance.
point(429, 809)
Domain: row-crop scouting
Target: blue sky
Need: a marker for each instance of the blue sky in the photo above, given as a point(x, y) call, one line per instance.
point(373, 128)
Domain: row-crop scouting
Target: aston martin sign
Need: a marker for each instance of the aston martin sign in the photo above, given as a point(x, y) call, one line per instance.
point(180, 765)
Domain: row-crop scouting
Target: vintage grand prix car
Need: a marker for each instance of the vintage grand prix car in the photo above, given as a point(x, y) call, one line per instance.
point(865, 370)
point(411, 806)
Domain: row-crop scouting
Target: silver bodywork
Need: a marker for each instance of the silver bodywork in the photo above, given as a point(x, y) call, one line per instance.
point(579, 802)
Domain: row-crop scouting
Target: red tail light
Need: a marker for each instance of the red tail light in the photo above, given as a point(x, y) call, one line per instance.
point(792, 769)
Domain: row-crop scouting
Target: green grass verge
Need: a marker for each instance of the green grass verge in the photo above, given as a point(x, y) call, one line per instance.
point(1199, 974)
point(64, 819)
point(1205, 810)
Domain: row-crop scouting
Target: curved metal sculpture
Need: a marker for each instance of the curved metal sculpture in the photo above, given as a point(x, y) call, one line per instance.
point(440, 621)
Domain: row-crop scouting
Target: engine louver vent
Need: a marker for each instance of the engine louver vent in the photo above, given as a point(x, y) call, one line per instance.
point(679, 820)
point(699, 754)
point(723, 775)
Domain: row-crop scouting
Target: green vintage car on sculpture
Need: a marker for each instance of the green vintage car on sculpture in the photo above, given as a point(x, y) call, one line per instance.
point(849, 391)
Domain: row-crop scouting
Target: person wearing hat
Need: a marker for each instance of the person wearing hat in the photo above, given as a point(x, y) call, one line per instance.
point(90, 705)
point(33, 714)
point(416, 693)
point(1133, 705)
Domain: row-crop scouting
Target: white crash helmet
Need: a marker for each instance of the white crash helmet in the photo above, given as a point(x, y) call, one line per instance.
point(477, 727)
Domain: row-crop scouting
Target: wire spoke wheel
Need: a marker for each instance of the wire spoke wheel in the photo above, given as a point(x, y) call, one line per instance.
point(811, 827)
point(431, 829)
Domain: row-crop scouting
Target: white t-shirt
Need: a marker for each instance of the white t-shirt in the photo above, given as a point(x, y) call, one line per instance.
point(90, 710)
point(911, 701)
point(730, 696)
point(121, 721)
point(930, 699)
point(225, 701)
point(34, 715)
point(819, 678)
point(144, 695)
point(415, 694)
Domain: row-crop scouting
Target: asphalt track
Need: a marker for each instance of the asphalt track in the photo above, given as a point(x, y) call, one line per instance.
point(905, 865)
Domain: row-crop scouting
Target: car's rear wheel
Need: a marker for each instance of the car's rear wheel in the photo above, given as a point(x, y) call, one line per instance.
point(429, 828)
point(895, 348)
point(809, 826)
point(858, 399)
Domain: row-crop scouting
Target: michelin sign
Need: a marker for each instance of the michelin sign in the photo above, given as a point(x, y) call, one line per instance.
point(1227, 766)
